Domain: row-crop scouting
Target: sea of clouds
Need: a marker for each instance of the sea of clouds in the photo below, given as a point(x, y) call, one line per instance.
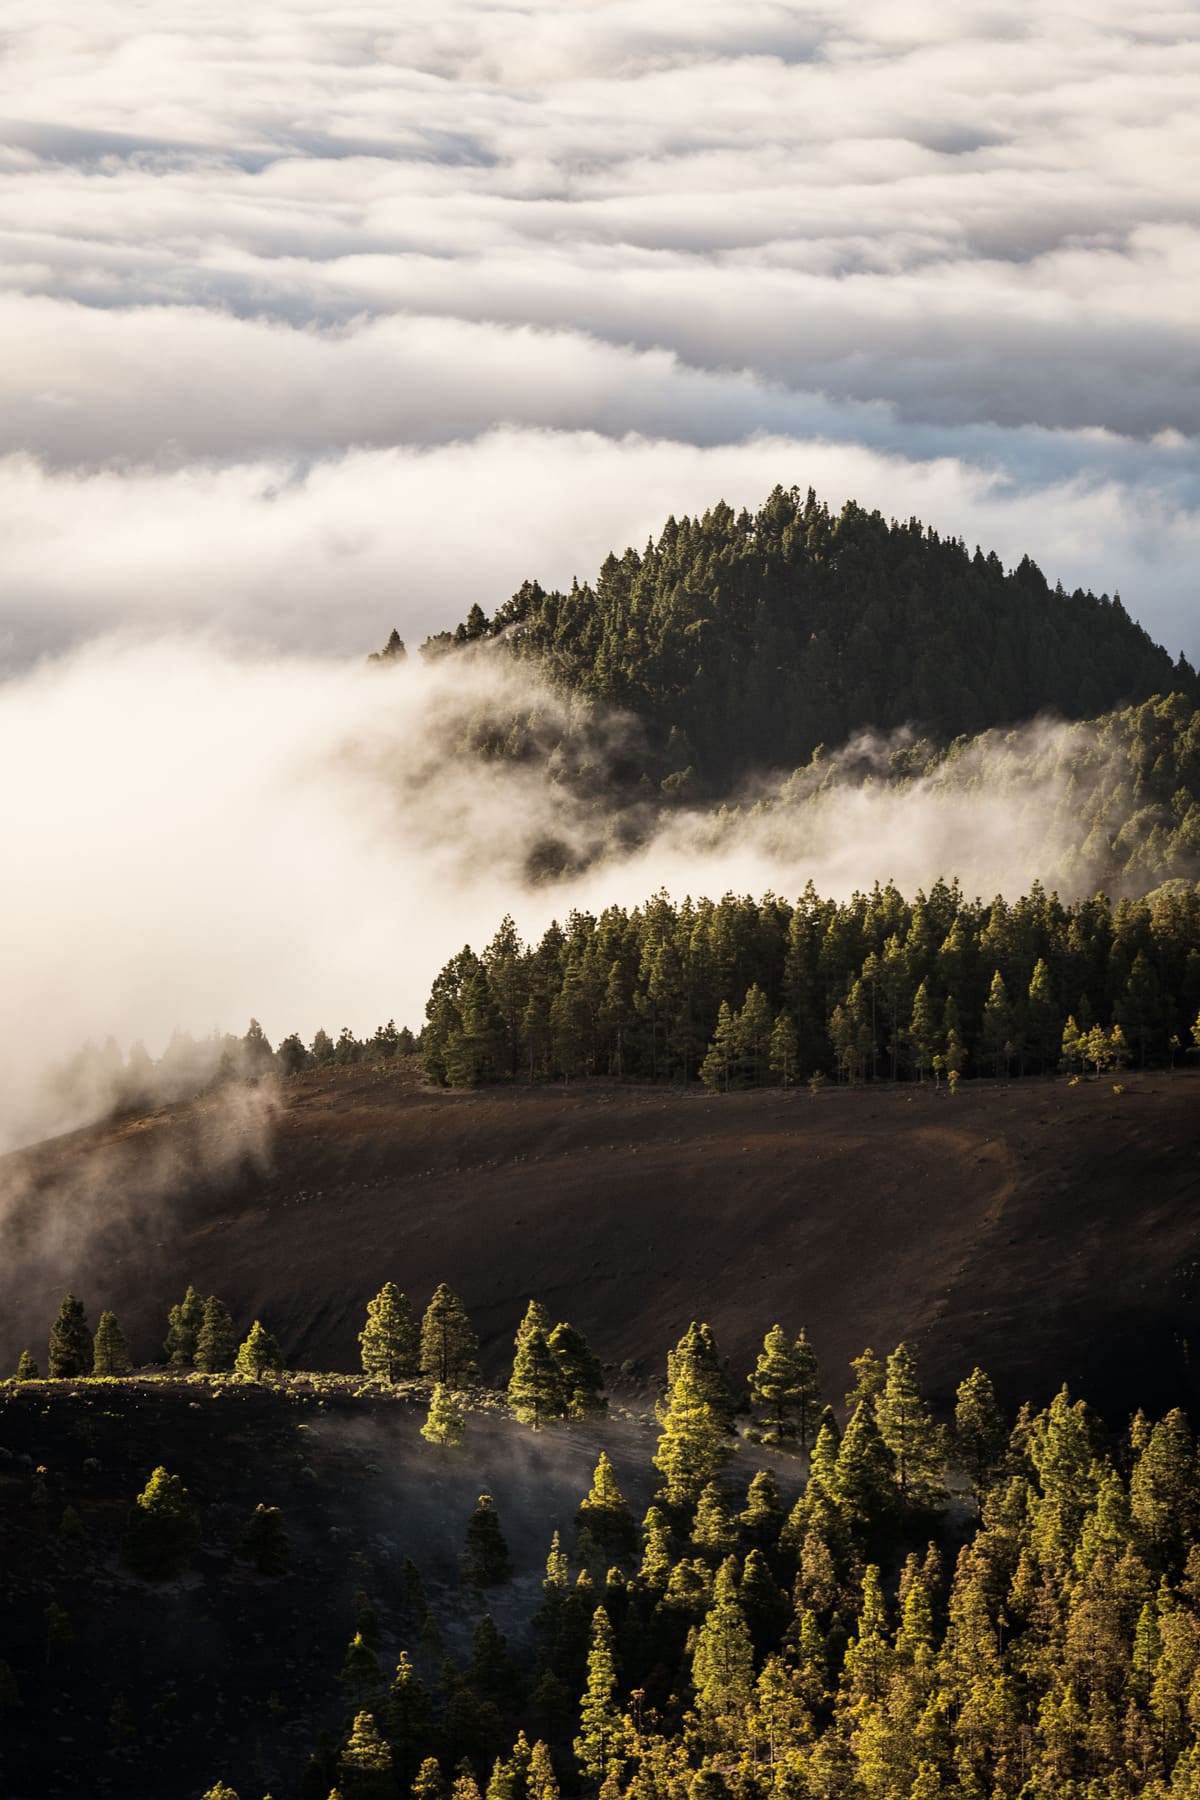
point(317, 321)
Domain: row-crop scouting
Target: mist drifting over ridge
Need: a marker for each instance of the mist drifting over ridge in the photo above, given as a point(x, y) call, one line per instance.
point(307, 841)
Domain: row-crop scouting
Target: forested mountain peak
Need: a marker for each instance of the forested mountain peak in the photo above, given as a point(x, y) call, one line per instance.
point(746, 640)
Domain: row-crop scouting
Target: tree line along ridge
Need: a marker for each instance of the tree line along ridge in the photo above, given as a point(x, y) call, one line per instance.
point(744, 992)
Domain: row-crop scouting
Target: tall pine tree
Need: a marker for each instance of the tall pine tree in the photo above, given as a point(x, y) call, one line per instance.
point(449, 1347)
point(110, 1352)
point(692, 1447)
point(388, 1340)
point(70, 1342)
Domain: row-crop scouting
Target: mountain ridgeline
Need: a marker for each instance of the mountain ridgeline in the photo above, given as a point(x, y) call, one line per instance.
point(744, 641)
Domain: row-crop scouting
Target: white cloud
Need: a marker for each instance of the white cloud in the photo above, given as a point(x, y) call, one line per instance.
point(954, 232)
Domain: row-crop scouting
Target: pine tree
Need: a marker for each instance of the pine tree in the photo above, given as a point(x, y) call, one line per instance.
point(162, 1532)
point(763, 1515)
point(430, 1784)
point(922, 1031)
point(449, 1346)
point(780, 1717)
point(580, 1372)
point(765, 1607)
point(183, 1329)
point(862, 1482)
point(604, 1514)
point(808, 1390)
point(27, 1369)
point(599, 1748)
point(1096, 1049)
point(723, 1660)
point(1162, 1492)
point(70, 1342)
point(535, 1388)
point(445, 1423)
point(655, 1569)
point(388, 1340)
point(713, 1530)
point(502, 1783)
point(264, 1541)
point(754, 1035)
point(909, 1432)
point(822, 1465)
point(785, 1050)
point(776, 1386)
point(541, 1783)
point(407, 1718)
point(360, 1678)
point(216, 1341)
point(1044, 1021)
point(1073, 1048)
point(490, 1672)
point(979, 1433)
point(485, 1559)
point(691, 1448)
point(998, 1026)
point(258, 1353)
point(868, 1656)
point(365, 1765)
point(536, 1318)
point(870, 1378)
point(717, 1069)
point(110, 1352)
point(219, 1791)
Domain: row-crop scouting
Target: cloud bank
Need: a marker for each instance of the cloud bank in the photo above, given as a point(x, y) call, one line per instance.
point(214, 835)
point(318, 322)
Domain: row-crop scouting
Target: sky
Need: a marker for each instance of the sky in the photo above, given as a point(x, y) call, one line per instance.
point(316, 320)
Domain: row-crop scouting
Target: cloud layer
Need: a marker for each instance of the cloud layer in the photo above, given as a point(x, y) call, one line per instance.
point(354, 315)
point(213, 835)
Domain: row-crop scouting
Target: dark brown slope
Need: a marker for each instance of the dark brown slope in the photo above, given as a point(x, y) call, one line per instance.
point(1048, 1232)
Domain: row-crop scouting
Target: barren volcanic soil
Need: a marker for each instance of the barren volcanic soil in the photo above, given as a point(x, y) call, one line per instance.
point(1046, 1231)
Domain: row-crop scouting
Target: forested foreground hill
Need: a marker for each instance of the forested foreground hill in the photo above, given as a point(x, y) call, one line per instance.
point(744, 641)
point(789, 1581)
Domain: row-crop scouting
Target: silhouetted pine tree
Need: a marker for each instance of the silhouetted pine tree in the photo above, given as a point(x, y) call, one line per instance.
point(216, 1341)
point(70, 1342)
point(110, 1352)
point(486, 1560)
point(162, 1530)
point(183, 1329)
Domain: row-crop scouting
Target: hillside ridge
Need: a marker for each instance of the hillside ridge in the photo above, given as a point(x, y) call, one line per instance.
point(1044, 1231)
